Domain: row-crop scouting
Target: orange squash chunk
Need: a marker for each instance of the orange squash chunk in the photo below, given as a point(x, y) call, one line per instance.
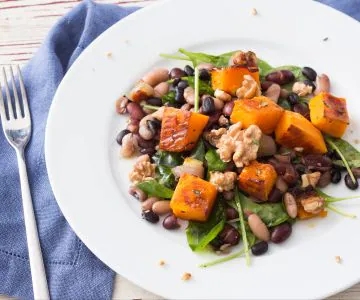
point(193, 198)
point(258, 179)
point(304, 215)
point(329, 114)
point(181, 129)
point(260, 111)
point(294, 130)
point(229, 79)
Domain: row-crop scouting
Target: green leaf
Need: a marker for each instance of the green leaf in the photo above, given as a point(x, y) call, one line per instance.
point(240, 210)
point(169, 97)
point(165, 161)
point(200, 234)
point(214, 161)
point(165, 176)
point(223, 259)
point(272, 214)
point(285, 104)
point(217, 60)
point(264, 67)
point(346, 152)
point(329, 198)
point(352, 163)
point(154, 188)
point(204, 86)
point(199, 151)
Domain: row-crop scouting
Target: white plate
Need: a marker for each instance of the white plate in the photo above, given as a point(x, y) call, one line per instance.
point(90, 180)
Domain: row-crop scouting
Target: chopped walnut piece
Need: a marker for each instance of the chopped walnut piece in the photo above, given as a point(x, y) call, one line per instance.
point(223, 181)
point(310, 179)
point(223, 121)
point(214, 135)
point(186, 276)
point(161, 262)
point(143, 170)
point(254, 12)
point(313, 204)
point(108, 54)
point(239, 145)
point(247, 59)
point(301, 89)
point(223, 96)
point(249, 88)
point(120, 105)
point(338, 259)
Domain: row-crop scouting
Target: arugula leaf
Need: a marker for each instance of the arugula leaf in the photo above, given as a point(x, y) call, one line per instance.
point(204, 86)
point(340, 212)
point(200, 234)
point(214, 161)
point(272, 214)
point(346, 152)
point(169, 97)
point(154, 188)
point(238, 197)
point(199, 151)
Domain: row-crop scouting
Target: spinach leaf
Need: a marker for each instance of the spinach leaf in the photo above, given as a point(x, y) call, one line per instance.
point(199, 151)
point(285, 104)
point(169, 97)
point(214, 161)
point(204, 86)
point(200, 234)
point(217, 60)
point(165, 176)
point(154, 188)
point(346, 152)
point(272, 214)
point(264, 67)
point(165, 161)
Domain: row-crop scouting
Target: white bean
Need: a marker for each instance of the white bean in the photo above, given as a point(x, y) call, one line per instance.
point(156, 76)
point(258, 227)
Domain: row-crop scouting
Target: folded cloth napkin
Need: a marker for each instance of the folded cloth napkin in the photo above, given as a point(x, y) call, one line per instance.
point(73, 271)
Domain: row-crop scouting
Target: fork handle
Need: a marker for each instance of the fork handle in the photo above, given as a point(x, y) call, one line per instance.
point(38, 275)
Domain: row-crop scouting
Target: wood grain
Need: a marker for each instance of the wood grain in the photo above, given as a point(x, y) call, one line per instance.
point(23, 26)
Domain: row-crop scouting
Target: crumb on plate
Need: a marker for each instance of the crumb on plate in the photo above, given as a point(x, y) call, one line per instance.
point(338, 259)
point(311, 225)
point(108, 54)
point(356, 141)
point(161, 262)
point(186, 276)
point(254, 12)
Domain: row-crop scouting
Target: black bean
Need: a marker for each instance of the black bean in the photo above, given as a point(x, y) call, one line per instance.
point(176, 73)
point(154, 125)
point(260, 248)
point(310, 83)
point(229, 235)
point(176, 105)
point(189, 70)
point(183, 84)
point(280, 77)
point(317, 162)
point(213, 120)
point(228, 108)
point(204, 74)
point(149, 151)
point(281, 233)
point(150, 216)
point(121, 135)
point(175, 82)
point(170, 222)
point(154, 101)
point(349, 182)
point(335, 176)
point(275, 195)
point(300, 168)
point(309, 73)
point(293, 98)
point(179, 95)
point(231, 213)
point(302, 109)
point(208, 106)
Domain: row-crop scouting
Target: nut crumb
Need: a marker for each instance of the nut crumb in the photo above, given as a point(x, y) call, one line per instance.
point(338, 259)
point(254, 11)
point(311, 225)
point(356, 141)
point(108, 54)
point(162, 262)
point(186, 276)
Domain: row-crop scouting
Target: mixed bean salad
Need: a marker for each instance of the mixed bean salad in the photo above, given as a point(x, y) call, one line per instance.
point(240, 149)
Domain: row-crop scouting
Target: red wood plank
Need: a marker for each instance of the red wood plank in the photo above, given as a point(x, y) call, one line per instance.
point(16, 53)
point(47, 16)
point(40, 4)
point(20, 44)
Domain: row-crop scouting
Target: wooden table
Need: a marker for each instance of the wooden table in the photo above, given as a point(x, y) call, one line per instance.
point(23, 26)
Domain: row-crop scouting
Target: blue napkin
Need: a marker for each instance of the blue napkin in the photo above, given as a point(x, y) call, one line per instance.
point(73, 271)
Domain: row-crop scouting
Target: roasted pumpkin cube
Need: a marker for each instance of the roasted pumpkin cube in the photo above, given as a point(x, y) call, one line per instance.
point(329, 114)
point(294, 130)
point(229, 79)
point(260, 111)
point(193, 198)
point(258, 179)
point(181, 129)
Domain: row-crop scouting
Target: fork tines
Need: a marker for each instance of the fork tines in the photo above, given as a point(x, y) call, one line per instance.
point(11, 109)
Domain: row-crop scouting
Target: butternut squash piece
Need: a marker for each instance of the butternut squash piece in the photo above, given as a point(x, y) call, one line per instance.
point(193, 198)
point(329, 114)
point(229, 79)
point(304, 215)
point(294, 130)
point(181, 129)
point(260, 111)
point(258, 179)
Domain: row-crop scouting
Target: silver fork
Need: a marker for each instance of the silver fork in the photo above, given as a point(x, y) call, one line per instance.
point(17, 129)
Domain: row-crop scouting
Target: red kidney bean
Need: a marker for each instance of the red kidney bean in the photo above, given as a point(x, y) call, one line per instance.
point(213, 119)
point(135, 111)
point(317, 162)
point(170, 222)
point(280, 77)
point(302, 109)
point(275, 195)
point(231, 213)
point(265, 85)
point(281, 233)
point(229, 235)
point(324, 180)
point(229, 195)
point(176, 73)
point(228, 108)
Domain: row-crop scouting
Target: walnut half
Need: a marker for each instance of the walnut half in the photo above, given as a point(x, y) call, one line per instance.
point(249, 88)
